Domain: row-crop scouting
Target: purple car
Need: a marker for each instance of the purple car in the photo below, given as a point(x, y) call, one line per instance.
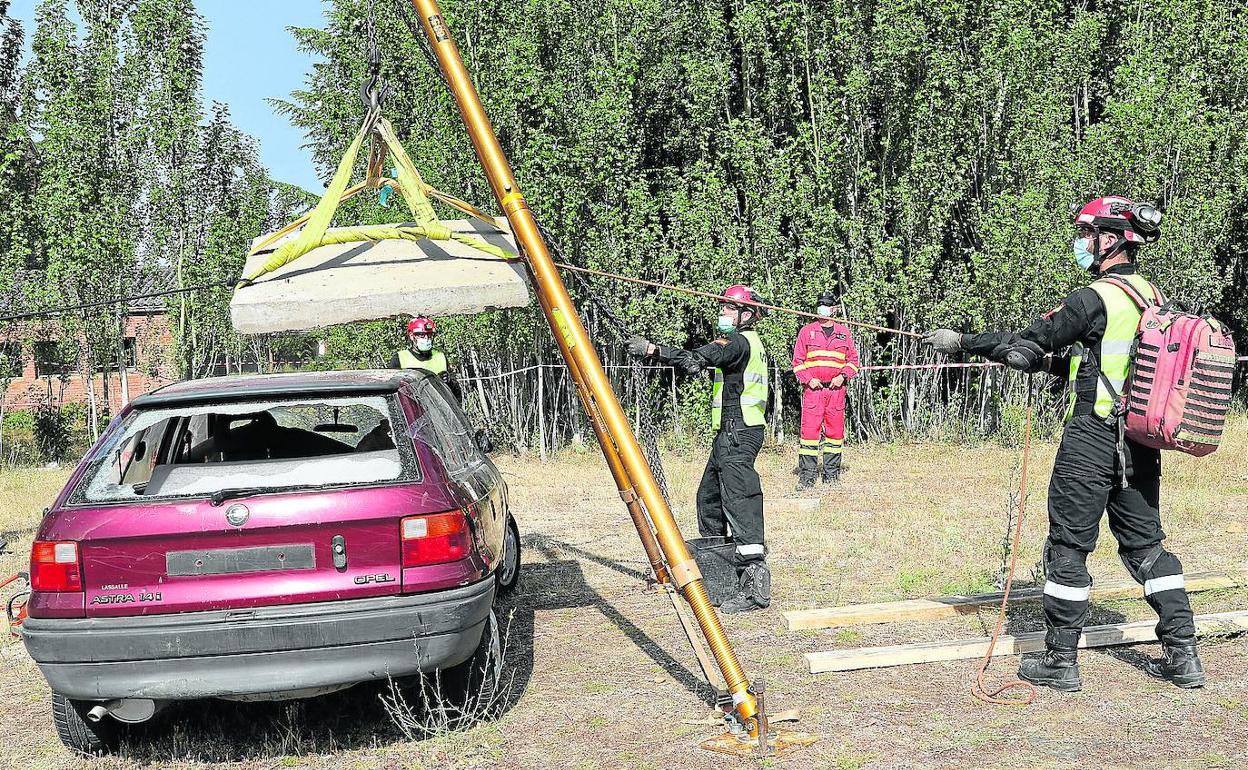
point(268, 537)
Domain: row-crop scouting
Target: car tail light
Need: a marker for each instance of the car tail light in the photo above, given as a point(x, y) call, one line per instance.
point(434, 539)
point(54, 567)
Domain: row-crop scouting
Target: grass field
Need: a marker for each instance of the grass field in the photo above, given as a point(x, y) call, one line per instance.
point(601, 676)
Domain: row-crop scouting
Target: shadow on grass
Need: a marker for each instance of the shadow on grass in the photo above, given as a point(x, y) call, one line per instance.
point(213, 731)
point(571, 590)
point(1027, 617)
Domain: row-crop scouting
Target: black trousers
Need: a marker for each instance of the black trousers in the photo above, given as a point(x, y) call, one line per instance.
point(730, 496)
point(1083, 487)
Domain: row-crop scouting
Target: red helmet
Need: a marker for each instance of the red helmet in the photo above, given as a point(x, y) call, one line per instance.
point(421, 325)
point(741, 294)
point(745, 298)
point(1136, 222)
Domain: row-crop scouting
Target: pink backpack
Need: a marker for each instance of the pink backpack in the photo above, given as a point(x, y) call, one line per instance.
point(1178, 391)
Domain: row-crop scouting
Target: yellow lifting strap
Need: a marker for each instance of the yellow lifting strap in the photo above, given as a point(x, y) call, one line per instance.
point(410, 185)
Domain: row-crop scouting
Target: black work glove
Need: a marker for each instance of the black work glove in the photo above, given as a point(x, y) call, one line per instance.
point(638, 347)
point(945, 341)
point(1023, 355)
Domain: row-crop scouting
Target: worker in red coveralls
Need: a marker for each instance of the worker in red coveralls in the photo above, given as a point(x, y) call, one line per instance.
point(824, 360)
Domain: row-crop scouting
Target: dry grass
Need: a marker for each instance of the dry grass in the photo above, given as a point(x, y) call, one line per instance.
point(604, 679)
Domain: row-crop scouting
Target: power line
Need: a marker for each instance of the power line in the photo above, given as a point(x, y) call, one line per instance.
point(114, 301)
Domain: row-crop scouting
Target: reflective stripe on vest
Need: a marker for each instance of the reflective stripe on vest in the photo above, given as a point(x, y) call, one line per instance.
point(436, 363)
point(754, 387)
point(1122, 321)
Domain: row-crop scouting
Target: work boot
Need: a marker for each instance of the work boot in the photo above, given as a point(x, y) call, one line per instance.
point(1179, 663)
point(832, 470)
point(807, 472)
point(754, 591)
point(1058, 667)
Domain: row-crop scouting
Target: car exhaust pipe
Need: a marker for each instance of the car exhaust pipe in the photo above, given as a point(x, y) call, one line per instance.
point(128, 710)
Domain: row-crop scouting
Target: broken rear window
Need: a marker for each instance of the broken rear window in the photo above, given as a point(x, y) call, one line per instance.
point(269, 445)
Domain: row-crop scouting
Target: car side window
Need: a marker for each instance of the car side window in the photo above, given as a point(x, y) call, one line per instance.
point(442, 426)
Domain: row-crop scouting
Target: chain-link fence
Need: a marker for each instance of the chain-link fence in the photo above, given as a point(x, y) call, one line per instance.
point(535, 408)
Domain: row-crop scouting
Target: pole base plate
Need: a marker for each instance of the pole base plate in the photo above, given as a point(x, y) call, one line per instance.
point(781, 743)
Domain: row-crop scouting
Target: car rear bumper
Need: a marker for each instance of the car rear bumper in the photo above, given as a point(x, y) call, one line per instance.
point(261, 650)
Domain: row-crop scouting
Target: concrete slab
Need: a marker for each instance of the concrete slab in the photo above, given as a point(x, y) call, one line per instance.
point(371, 281)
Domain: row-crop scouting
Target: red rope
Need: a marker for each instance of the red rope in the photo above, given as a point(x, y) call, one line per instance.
point(979, 689)
point(976, 365)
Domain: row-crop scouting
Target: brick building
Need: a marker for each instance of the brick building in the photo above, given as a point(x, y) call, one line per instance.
point(39, 365)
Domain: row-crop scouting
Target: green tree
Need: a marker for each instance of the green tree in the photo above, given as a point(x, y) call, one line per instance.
point(918, 157)
point(18, 171)
point(230, 201)
point(129, 184)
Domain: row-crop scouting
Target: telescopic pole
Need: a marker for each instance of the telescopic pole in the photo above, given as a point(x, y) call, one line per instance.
point(583, 362)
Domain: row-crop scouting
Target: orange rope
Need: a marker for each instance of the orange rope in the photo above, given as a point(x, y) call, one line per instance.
point(722, 298)
point(979, 689)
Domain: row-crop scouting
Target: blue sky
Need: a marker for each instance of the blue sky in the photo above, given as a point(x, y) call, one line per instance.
point(249, 57)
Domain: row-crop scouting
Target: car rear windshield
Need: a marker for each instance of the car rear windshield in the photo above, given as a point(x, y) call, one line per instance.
point(199, 450)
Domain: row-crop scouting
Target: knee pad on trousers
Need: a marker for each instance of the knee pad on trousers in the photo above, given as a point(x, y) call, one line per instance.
point(1066, 566)
point(1150, 564)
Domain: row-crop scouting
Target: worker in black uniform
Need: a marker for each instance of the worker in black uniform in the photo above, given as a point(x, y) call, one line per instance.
point(730, 496)
point(1097, 471)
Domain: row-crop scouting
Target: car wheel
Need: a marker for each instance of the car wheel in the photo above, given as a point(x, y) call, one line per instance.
point(79, 733)
point(508, 573)
point(471, 688)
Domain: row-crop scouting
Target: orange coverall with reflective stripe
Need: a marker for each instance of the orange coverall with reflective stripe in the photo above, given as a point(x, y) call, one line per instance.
point(820, 355)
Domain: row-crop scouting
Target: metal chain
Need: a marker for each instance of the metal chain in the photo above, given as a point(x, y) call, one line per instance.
point(413, 26)
point(648, 428)
point(370, 34)
point(374, 90)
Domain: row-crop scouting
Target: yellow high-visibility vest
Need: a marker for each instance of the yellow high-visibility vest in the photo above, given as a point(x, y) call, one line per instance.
point(436, 363)
point(753, 392)
point(1122, 320)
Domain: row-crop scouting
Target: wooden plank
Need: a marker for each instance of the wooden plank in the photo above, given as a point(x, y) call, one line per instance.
point(965, 649)
point(709, 669)
point(951, 606)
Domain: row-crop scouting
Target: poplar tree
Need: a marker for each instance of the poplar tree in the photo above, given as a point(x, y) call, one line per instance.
point(919, 158)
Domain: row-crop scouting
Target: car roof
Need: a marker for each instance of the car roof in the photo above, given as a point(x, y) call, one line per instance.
point(247, 387)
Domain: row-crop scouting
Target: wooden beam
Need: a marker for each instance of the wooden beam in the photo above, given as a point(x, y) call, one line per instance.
point(965, 649)
point(951, 606)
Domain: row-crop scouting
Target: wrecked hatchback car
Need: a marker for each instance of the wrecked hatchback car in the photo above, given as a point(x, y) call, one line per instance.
point(268, 537)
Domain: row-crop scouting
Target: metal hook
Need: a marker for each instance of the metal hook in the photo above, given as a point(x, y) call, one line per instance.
point(369, 95)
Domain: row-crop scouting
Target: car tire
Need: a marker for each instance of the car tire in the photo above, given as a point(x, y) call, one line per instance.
point(508, 572)
point(471, 688)
point(77, 732)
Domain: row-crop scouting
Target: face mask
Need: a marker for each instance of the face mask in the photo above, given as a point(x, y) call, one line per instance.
point(725, 325)
point(424, 345)
point(824, 311)
point(1083, 256)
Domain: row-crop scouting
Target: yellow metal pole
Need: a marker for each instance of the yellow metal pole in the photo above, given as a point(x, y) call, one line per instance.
point(576, 348)
point(623, 483)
